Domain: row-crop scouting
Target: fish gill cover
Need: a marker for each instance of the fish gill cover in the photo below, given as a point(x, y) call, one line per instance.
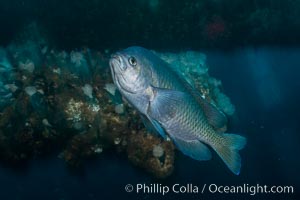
point(65, 101)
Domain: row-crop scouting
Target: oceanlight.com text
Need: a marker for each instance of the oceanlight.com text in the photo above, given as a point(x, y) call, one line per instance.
point(189, 188)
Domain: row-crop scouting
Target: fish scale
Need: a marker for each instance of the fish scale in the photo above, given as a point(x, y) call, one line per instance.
point(173, 107)
point(194, 119)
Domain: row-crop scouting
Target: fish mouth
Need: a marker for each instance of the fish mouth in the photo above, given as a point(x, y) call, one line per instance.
point(117, 66)
point(111, 64)
point(117, 62)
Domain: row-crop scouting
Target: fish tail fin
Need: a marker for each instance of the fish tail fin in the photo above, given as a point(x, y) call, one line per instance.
point(228, 151)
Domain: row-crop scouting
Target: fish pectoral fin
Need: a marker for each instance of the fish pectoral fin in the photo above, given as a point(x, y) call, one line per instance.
point(193, 148)
point(153, 126)
point(165, 103)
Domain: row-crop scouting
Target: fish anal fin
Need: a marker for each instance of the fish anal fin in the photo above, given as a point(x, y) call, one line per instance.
point(193, 148)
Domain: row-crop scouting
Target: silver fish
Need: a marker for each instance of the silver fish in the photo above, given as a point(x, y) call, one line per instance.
point(173, 108)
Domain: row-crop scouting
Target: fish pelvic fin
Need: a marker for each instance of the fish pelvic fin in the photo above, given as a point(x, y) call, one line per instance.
point(228, 151)
point(153, 126)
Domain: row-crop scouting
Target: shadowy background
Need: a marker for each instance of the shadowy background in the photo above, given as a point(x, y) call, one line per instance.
point(156, 23)
point(251, 45)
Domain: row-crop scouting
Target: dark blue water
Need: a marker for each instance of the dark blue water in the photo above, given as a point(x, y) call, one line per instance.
point(264, 85)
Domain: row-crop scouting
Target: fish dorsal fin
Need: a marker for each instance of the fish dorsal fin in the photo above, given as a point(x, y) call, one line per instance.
point(216, 118)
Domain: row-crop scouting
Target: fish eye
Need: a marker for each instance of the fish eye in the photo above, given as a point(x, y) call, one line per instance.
point(132, 61)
